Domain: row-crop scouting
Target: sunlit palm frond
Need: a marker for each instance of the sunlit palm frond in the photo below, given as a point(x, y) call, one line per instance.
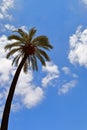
point(15, 37)
point(10, 53)
point(33, 61)
point(12, 45)
point(40, 57)
point(31, 34)
point(23, 34)
point(44, 54)
point(16, 59)
point(42, 41)
point(25, 67)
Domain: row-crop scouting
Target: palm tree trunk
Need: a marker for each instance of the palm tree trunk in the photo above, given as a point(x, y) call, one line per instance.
point(6, 113)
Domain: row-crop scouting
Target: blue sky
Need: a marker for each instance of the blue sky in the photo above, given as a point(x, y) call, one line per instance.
point(55, 97)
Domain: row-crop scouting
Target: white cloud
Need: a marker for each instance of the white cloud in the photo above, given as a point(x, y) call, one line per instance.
point(50, 68)
point(30, 94)
point(65, 88)
point(34, 95)
point(84, 1)
point(9, 27)
point(1, 110)
point(4, 8)
point(67, 71)
point(78, 47)
point(52, 73)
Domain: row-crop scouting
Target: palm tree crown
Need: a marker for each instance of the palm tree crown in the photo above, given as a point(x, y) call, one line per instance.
point(26, 44)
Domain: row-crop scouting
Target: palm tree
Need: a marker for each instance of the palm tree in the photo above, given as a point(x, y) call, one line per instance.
point(28, 49)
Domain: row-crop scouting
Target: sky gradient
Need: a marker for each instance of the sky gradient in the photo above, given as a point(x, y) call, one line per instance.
point(55, 97)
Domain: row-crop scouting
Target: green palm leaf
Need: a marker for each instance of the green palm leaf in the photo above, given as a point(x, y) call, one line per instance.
point(44, 54)
point(15, 44)
point(34, 63)
point(23, 34)
point(15, 37)
point(32, 32)
point(40, 58)
point(10, 53)
point(16, 60)
point(42, 41)
point(25, 67)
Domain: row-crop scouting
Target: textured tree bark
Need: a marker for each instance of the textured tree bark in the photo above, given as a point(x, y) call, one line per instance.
point(6, 113)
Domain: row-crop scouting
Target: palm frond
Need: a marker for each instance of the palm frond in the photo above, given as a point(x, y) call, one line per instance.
point(25, 67)
point(29, 60)
point(40, 57)
point(15, 37)
point(44, 54)
point(42, 41)
point(35, 62)
point(32, 32)
point(16, 60)
point(34, 65)
point(44, 47)
point(15, 44)
point(23, 34)
point(10, 53)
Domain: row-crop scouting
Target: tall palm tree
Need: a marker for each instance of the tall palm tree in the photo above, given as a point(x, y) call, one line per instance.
point(27, 48)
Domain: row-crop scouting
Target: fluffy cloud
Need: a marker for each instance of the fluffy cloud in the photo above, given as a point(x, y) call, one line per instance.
point(52, 73)
point(30, 94)
point(78, 47)
point(4, 8)
point(65, 88)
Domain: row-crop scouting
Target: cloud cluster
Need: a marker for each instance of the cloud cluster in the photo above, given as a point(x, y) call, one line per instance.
point(4, 8)
point(78, 47)
point(9, 27)
point(67, 71)
point(69, 82)
point(65, 88)
point(29, 93)
point(52, 73)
